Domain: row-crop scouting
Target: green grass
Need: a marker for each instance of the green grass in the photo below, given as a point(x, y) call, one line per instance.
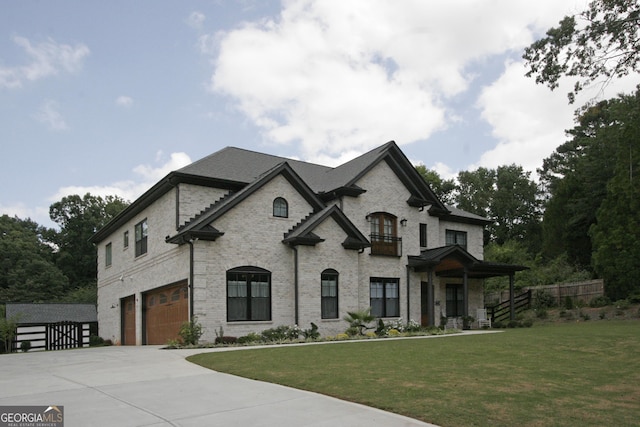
point(575, 374)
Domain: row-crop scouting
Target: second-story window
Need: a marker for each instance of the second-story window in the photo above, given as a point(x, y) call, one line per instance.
point(280, 208)
point(384, 238)
point(107, 254)
point(423, 235)
point(454, 237)
point(125, 239)
point(141, 237)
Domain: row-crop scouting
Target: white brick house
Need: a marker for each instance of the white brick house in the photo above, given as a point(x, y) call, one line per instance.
point(248, 241)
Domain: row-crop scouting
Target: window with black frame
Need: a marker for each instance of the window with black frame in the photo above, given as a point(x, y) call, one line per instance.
point(248, 294)
point(141, 231)
point(384, 297)
point(455, 300)
point(329, 294)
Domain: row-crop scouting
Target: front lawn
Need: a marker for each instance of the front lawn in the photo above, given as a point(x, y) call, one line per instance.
point(582, 373)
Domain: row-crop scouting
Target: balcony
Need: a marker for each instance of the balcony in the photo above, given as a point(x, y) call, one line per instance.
point(385, 245)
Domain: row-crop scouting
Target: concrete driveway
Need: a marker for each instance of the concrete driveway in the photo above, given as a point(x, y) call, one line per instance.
point(147, 386)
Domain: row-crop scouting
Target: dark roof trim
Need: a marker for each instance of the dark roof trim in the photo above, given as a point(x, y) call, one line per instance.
point(302, 234)
point(431, 258)
point(154, 193)
point(352, 191)
point(202, 222)
point(208, 233)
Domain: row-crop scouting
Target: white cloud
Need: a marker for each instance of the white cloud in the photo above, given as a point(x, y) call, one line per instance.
point(130, 190)
point(49, 115)
point(339, 77)
point(46, 59)
point(196, 20)
point(124, 101)
point(529, 120)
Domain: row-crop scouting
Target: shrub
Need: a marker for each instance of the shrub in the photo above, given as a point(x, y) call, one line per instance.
point(603, 314)
point(191, 331)
point(542, 313)
point(568, 303)
point(249, 338)
point(543, 299)
point(359, 320)
point(95, 340)
point(25, 346)
point(600, 301)
point(498, 324)
point(312, 333)
point(381, 330)
point(226, 340)
point(394, 332)
point(281, 333)
point(342, 336)
point(527, 323)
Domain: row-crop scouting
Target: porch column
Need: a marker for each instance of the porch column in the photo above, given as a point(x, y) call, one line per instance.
point(465, 292)
point(512, 309)
point(430, 307)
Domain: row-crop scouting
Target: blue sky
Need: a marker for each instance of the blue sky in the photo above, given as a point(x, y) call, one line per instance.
point(108, 97)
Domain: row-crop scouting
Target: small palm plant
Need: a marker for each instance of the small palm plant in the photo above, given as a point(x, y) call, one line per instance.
point(358, 321)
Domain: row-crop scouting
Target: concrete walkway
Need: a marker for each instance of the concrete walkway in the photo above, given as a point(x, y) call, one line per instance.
point(147, 386)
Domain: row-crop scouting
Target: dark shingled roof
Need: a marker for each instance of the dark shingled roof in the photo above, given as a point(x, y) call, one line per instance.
point(51, 313)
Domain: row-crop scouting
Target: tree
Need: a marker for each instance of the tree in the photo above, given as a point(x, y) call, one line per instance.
point(508, 197)
point(443, 188)
point(603, 43)
point(27, 269)
point(616, 232)
point(79, 218)
point(575, 177)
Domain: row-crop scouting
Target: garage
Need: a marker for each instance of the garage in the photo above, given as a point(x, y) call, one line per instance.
point(165, 309)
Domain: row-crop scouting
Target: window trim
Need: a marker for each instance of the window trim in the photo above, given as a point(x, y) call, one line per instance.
point(108, 255)
point(452, 237)
point(384, 234)
point(385, 300)
point(142, 242)
point(249, 271)
point(280, 208)
point(325, 300)
point(423, 235)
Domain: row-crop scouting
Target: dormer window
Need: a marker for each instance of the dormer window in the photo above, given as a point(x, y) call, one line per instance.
point(280, 208)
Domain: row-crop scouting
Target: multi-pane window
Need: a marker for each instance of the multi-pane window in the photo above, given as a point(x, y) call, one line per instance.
point(423, 235)
point(385, 297)
point(248, 294)
point(280, 208)
point(384, 240)
point(455, 301)
point(125, 239)
point(141, 237)
point(107, 254)
point(454, 237)
point(329, 294)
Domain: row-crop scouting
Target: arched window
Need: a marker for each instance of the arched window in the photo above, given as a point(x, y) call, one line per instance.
point(329, 294)
point(280, 208)
point(248, 294)
point(384, 235)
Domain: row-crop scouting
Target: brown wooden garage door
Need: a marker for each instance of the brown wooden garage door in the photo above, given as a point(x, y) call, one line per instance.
point(165, 311)
point(128, 307)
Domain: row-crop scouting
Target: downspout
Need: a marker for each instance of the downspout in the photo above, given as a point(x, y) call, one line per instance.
point(408, 296)
point(295, 282)
point(430, 295)
point(191, 275)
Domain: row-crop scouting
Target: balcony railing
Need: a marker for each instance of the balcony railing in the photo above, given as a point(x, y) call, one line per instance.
point(385, 245)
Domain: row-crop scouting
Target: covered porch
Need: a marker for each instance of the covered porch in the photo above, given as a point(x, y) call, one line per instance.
point(455, 262)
